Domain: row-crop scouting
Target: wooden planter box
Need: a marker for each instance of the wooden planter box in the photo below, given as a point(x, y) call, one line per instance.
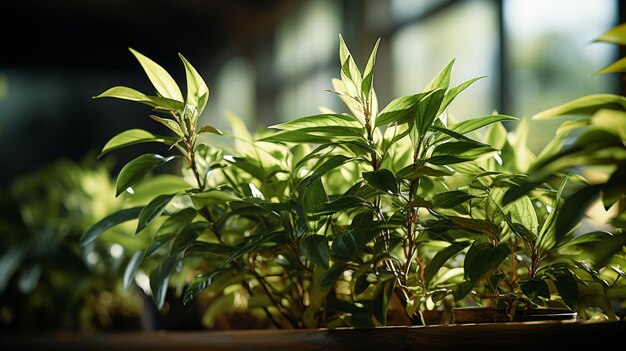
point(491, 336)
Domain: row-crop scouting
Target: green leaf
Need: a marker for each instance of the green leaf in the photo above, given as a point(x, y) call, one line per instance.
point(454, 92)
point(535, 288)
point(196, 87)
point(458, 151)
point(107, 223)
point(187, 236)
point(329, 278)
point(314, 197)
point(349, 70)
point(482, 259)
point(567, 288)
point(157, 102)
point(318, 129)
point(615, 35)
point(344, 203)
point(328, 165)
point(615, 67)
point(382, 180)
point(132, 137)
point(400, 110)
point(586, 106)
point(413, 172)
point(202, 248)
point(176, 222)
point(427, 110)
point(170, 124)
point(254, 242)
point(442, 79)
point(574, 209)
point(137, 169)
point(209, 129)
point(440, 258)
point(132, 267)
point(451, 199)
point(199, 283)
point(162, 81)
point(368, 73)
point(153, 210)
point(381, 298)
point(315, 248)
point(614, 121)
point(473, 124)
point(586, 238)
point(159, 279)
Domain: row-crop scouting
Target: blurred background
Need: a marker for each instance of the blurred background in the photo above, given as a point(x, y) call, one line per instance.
point(271, 60)
point(265, 61)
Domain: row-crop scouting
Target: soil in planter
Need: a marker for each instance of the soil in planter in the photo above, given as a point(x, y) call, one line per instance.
point(495, 315)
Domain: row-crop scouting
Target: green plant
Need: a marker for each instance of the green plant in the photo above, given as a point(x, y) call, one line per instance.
point(46, 281)
point(592, 143)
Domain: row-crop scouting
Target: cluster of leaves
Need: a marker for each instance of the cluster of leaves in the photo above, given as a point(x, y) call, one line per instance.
point(44, 282)
point(336, 218)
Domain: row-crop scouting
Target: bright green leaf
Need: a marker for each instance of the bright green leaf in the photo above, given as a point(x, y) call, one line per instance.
point(586, 105)
point(196, 87)
point(157, 102)
point(131, 137)
point(162, 81)
point(451, 199)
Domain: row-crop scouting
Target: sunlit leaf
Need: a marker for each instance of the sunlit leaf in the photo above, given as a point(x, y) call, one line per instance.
point(209, 129)
point(196, 87)
point(157, 102)
point(328, 165)
point(458, 151)
point(162, 81)
point(586, 106)
point(132, 137)
point(615, 35)
point(170, 124)
point(400, 110)
point(427, 110)
point(615, 67)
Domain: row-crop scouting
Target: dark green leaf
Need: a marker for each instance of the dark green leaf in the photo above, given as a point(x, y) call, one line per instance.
point(574, 209)
point(329, 278)
point(187, 236)
point(535, 288)
point(199, 283)
point(410, 172)
point(344, 203)
point(567, 288)
point(328, 165)
point(315, 248)
point(107, 223)
point(458, 151)
point(586, 238)
point(153, 210)
point(441, 258)
point(135, 170)
point(381, 298)
point(483, 258)
point(176, 222)
point(201, 248)
point(159, 279)
point(451, 199)
point(382, 180)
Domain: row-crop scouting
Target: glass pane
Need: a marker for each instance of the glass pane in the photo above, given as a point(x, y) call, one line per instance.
point(467, 32)
point(307, 39)
point(551, 56)
point(405, 9)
